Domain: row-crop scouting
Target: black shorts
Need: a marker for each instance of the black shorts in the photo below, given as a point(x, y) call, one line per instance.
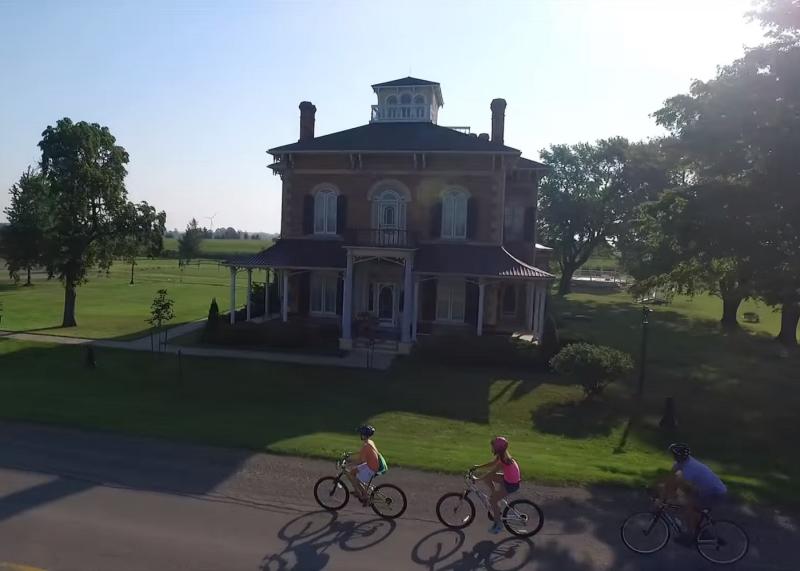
point(511, 488)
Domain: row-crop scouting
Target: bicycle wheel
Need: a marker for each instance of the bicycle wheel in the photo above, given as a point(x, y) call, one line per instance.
point(644, 533)
point(722, 542)
point(455, 510)
point(331, 493)
point(523, 518)
point(389, 501)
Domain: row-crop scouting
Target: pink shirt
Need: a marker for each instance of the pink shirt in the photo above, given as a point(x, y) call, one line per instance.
point(511, 472)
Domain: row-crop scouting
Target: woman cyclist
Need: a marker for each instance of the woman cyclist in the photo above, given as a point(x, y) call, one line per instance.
point(503, 478)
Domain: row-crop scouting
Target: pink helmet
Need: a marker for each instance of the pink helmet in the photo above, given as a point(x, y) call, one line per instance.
point(499, 444)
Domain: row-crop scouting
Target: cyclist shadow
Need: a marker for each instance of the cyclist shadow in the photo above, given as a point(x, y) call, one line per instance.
point(433, 551)
point(310, 537)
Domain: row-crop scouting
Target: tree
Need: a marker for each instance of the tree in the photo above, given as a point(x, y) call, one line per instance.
point(28, 215)
point(144, 233)
point(189, 243)
point(593, 366)
point(84, 170)
point(161, 312)
point(231, 233)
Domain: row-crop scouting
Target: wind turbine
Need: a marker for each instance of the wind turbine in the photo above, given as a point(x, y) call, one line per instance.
point(211, 220)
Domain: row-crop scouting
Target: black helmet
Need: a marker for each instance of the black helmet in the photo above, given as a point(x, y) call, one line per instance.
point(366, 431)
point(680, 451)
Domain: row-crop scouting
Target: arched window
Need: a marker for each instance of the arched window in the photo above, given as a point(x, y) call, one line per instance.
point(405, 99)
point(419, 99)
point(325, 211)
point(419, 106)
point(391, 102)
point(454, 214)
point(389, 210)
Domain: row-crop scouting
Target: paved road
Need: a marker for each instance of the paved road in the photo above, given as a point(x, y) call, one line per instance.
point(72, 500)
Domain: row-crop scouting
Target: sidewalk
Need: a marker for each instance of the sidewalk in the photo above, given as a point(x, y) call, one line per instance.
point(356, 359)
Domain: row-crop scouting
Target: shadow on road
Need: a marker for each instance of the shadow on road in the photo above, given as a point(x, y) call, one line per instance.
point(310, 538)
point(23, 500)
point(433, 551)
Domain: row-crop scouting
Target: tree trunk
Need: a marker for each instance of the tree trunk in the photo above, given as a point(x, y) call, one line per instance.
point(565, 282)
point(730, 307)
point(133, 263)
point(69, 305)
point(790, 315)
point(29, 277)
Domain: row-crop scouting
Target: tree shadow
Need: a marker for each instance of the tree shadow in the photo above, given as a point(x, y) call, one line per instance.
point(577, 419)
point(310, 538)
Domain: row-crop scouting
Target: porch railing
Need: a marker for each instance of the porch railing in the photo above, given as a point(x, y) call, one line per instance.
point(380, 237)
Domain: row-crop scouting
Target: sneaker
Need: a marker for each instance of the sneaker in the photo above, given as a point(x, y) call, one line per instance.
point(495, 528)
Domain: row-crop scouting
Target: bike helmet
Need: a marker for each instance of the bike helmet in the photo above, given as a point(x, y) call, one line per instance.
point(499, 444)
point(680, 451)
point(366, 431)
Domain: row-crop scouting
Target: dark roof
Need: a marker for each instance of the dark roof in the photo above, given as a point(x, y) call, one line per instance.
point(405, 81)
point(423, 136)
point(296, 253)
point(473, 260)
point(528, 164)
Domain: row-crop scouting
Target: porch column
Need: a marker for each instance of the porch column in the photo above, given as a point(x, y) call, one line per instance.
point(416, 311)
point(405, 332)
point(481, 294)
point(285, 295)
point(347, 299)
point(249, 291)
point(541, 294)
point(233, 295)
point(266, 294)
point(529, 306)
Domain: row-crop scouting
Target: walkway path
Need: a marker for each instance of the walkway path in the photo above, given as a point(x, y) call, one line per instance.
point(357, 358)
point(73, 500)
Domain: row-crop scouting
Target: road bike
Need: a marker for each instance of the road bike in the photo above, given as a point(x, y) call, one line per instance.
point(332, 493)
point(456, 510)
point(717, 540)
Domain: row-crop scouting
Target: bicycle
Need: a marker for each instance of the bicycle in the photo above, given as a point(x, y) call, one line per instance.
point(332, 493)
point(712, 536)
point(456, 510)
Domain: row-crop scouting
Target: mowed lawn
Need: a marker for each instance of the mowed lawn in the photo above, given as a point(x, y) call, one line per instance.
point(223, 246)
point(109, 308)
point(737, 401)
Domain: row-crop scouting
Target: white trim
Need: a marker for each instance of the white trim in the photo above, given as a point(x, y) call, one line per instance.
point(324, 280)
point(322, 196)
point(452, 198)
point(449, 286)
point(389, 184)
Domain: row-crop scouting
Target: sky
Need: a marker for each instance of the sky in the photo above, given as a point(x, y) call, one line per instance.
point(197, 91)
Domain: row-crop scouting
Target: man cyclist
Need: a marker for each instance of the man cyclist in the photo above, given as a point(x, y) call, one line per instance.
point(368, 463)
point(702, 486)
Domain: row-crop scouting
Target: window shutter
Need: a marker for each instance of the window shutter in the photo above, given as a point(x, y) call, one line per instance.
point(529, 230)
point(436, 221)
point(471, 303)
point(341, 214)
point(472, 218)
point(339, 295)
point(303, 285)
point(308, 214)
point(428, 302)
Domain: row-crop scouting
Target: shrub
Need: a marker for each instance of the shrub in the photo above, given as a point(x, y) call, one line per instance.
point(469, 350)
point(212, 323)
point(276, 335)
point(593, 366)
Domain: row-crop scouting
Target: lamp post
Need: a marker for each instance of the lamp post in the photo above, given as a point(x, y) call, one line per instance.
point(643, 352)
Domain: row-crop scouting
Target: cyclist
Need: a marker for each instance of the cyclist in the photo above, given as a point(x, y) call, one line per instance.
point(503, 478)
point(702, 486)
point(368, 463)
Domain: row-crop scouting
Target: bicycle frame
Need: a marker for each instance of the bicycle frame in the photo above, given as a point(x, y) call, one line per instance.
point(472, 488)
point(664, 512)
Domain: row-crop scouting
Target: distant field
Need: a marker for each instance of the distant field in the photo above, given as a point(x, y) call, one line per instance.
point(216, 247)
point(109, 308)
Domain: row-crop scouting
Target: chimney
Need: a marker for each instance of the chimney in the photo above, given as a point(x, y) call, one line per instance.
point(307, 113)
point(498, 108)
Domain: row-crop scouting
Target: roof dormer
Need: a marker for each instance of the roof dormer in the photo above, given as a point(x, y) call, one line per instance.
point(407, 100)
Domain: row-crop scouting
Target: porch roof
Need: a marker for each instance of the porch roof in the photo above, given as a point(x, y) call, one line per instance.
point(296, 253)
point(473, 260)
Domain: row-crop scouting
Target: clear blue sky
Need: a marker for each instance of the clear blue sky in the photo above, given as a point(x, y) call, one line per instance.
point(197, 91)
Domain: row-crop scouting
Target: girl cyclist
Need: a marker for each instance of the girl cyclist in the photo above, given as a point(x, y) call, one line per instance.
point(503, 478)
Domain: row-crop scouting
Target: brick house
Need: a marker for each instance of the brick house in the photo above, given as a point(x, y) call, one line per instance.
point(411, 226)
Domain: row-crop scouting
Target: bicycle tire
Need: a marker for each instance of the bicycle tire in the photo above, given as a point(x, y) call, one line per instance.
point(377, 507)
point(717, 524)
point(330, 486)
point(654, 522)
point(461, 499)
point(529, 531)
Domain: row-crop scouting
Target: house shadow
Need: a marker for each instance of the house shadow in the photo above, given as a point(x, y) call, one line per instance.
point(582, 418)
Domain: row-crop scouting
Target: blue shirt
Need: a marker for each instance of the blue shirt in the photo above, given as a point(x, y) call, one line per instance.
point(700, 477)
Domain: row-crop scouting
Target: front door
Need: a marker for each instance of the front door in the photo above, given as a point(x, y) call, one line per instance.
point(384, 303)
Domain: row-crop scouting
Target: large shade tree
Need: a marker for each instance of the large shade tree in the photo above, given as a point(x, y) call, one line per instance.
point(85, 171)
point(143, 233)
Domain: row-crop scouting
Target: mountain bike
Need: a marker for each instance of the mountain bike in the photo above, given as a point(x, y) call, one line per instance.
point(456, 510)
point(717, 540)
point(332, 493)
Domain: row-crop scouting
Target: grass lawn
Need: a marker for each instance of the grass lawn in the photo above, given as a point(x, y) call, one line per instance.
point(109, 308)
point(223, 246)
point(737, 403)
